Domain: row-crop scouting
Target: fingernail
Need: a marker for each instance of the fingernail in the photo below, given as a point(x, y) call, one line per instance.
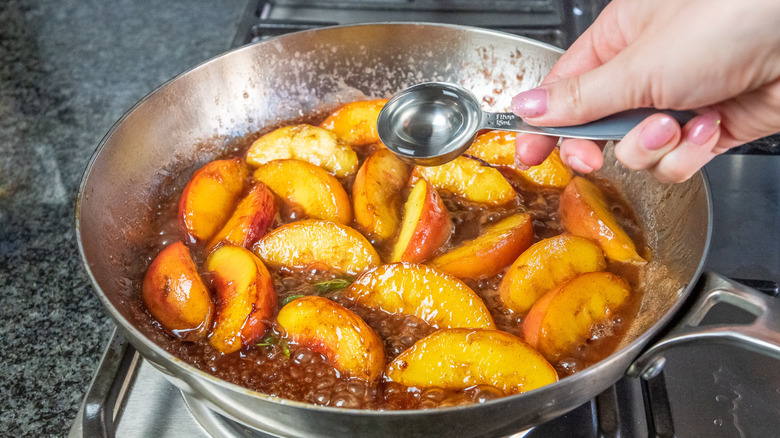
point(657, 133)
point(519, 164)
point(531, 103)
point(579, 165)
point(704, 127)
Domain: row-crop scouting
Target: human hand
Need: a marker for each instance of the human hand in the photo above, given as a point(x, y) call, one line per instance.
point(720, 58)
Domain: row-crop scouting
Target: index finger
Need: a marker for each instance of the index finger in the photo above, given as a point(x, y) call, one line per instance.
point(598, 44)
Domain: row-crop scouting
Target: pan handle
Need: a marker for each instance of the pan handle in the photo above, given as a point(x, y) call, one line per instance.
point(110, 387)
point(762, 335)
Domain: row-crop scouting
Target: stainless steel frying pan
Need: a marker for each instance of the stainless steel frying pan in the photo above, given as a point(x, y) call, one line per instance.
point(187, 122)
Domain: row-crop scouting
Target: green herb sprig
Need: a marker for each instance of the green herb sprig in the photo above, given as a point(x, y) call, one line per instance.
point(291, 298)
point(331, 285)
point(271, 341)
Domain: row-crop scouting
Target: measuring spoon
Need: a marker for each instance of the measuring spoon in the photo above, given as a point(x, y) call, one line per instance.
point(432, 123)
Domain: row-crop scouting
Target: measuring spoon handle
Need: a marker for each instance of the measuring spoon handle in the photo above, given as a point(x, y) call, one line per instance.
point(613, 127)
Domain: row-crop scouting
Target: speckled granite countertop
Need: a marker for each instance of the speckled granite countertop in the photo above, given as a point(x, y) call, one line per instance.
point(68, 70)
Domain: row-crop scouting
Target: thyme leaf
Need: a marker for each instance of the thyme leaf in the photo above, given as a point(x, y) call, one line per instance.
point(272, 341)
point(268, 341)
point(331, 285)
point(285, 348)
point(290, 298)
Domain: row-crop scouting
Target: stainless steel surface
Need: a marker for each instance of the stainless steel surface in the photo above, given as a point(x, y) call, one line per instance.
point(762, 335)
point(717, 390)
point(216, 425)
point(746, 235)
point(430, 123)
point(616, 126)
point(434, 122)
point(154, 408)
point(110, 387)
point(187, 121)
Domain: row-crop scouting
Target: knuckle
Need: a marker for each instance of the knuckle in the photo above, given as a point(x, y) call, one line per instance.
point(635, 157)
point(633, 165)
point(574, 102)
point(624, 154)
point(674, 173)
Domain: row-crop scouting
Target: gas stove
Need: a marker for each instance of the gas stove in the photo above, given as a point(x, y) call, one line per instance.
point(704, 390)
point(556, 22)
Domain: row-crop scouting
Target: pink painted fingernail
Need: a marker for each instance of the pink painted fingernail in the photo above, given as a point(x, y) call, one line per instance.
point(577, 164)
point(704, 127)
point(657, 133)
point(531, 103)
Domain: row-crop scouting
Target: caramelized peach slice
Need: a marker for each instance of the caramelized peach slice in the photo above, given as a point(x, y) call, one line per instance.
point(175, 294)
point(342, 337)
point(376, 194)
point(316, 191)
point(551, 173)
point(309, 143)
point(317, 244)
point(426, 225)
point(250, 220)
point(468, 178)
point(209, 198)
point(460, 358)
point(565, 316)
point(498, 148)
point(406, 288)
point(494, 147)
point(545, 265)
point(355, 122)
point(584, 212)
point(488, 255)
point(244, 295)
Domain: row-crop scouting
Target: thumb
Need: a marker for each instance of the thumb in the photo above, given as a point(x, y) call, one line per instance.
point(597, 93)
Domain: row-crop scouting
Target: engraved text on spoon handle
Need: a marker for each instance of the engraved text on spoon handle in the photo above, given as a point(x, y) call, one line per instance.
point(507, 122)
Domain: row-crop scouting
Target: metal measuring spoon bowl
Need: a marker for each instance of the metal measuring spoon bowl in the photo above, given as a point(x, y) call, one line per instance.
point(432, 123)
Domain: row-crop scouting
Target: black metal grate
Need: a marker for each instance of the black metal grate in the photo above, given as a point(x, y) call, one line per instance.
point(554, 22)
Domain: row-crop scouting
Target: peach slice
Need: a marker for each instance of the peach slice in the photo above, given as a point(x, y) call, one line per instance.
point(551, 173)
point(316, 191)
point(309, 143)
point(435, 297)
point(498, 148)
point(250, 220)
point(584, 212)
point(175, 294)
point(461, 357)
point(494, 147)
point(317, 244)
point(244, 295)
point(426, 225)
point(545, 265)
point(376, 194)
point(488, 255)
point(565, 316)
point(470, 179)
point(342, 337)
point(355, 122)
point(210, 196)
